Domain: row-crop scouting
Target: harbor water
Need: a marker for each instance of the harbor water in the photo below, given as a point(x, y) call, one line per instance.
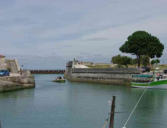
point(80, 105)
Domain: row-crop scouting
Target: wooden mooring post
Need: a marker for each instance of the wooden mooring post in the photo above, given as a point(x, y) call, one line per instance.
point(111, 123)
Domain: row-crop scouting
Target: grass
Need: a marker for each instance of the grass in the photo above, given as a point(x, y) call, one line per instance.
point(163, 66)
point(100, 66)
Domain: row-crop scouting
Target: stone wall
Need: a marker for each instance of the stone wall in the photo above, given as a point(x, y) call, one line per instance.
point(118, 79)
point(17, 79)
point(106, 70)
point(119, 76)
point(10, 83)
point(11, 65)
point(3, 64)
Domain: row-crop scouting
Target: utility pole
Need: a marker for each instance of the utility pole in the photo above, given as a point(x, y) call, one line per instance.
point(111, 124)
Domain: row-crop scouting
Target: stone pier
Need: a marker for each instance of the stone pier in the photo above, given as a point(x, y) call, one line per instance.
point(114, 76)
point(18, 79)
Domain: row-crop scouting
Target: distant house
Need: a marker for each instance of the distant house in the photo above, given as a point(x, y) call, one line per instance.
point(2, 56)
point(9, 64)
point(3, 64)
point(78, 64)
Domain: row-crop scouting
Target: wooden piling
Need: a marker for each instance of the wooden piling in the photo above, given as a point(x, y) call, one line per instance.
point(111, 123)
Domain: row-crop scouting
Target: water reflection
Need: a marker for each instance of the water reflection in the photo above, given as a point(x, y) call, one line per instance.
point(151, 112)
point(18, 94)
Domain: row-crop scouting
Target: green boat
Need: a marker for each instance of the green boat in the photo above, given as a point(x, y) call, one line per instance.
point(152, 81)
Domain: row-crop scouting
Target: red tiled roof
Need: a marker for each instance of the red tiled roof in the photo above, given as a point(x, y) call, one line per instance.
point(2, 56)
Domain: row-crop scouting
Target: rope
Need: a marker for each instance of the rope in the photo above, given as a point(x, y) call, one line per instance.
point(106, 122)
point(124, 126)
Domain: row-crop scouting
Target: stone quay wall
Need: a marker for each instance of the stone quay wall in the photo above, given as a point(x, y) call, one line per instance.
point(118, 76)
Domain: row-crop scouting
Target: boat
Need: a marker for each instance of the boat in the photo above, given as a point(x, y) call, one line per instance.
point(150, 81)
point(59, 79)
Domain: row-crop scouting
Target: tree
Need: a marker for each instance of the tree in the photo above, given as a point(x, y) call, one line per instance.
point(145, 60)
point(134, 61)
point(142, 43)
point(156, 61)
point(121, 60)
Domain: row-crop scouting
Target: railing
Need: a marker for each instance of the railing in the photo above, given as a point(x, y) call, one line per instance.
point(47, 71)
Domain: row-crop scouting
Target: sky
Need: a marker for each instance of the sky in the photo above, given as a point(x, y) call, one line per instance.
point(77, 28)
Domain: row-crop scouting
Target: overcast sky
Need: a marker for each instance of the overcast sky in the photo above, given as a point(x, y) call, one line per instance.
point(77, 27)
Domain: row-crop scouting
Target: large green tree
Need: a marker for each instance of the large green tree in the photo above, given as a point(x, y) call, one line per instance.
point(142, 43)
point(145, 60)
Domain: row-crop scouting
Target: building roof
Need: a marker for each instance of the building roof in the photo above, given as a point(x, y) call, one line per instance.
point(2, 56)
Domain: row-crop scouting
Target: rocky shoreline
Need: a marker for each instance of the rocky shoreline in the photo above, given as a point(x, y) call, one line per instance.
point(11, 83)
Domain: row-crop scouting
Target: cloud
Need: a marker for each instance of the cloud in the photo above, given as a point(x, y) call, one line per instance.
point(97, 39)
point(76, 27)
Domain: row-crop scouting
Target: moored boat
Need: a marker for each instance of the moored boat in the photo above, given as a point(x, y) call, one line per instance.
point(156, 81)
point(59, 79)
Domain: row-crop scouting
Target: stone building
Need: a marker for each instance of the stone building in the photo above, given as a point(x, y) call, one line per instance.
point(17, 79)
point(9, 64)
point(3, 64)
